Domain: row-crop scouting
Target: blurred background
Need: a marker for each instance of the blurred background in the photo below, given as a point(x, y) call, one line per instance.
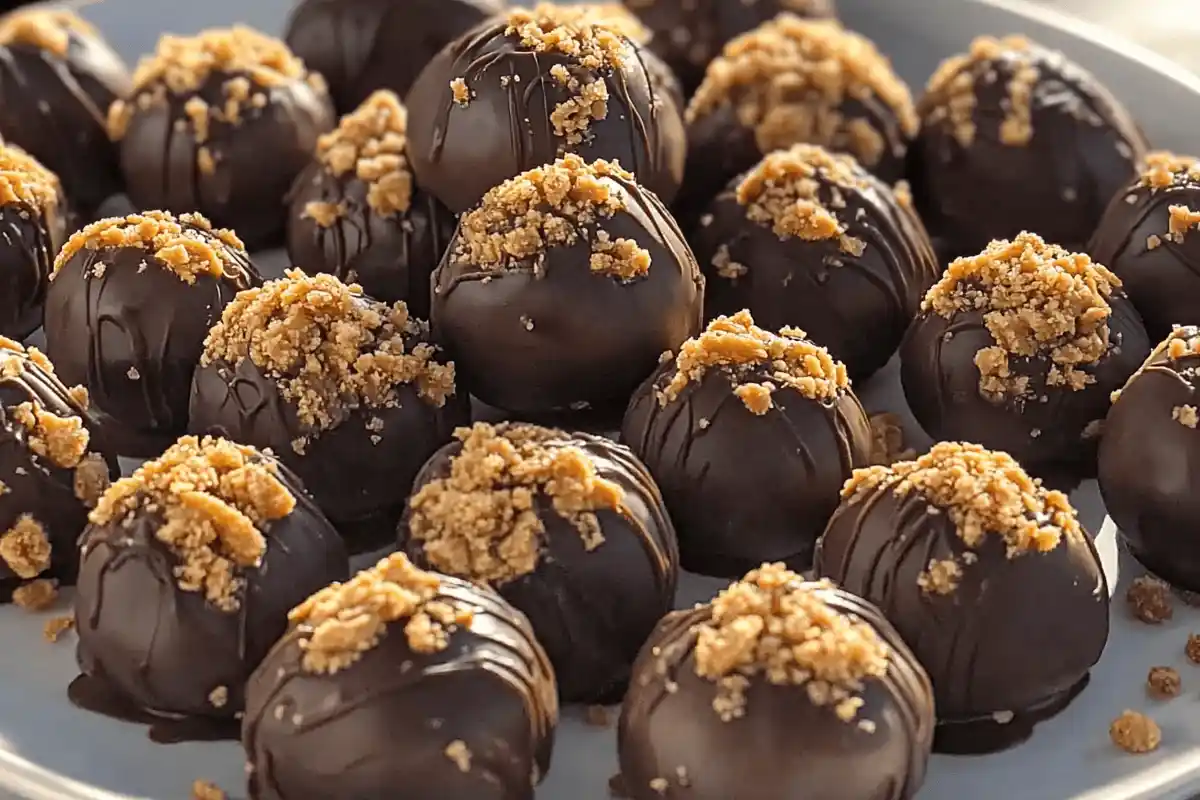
point(1169, 27)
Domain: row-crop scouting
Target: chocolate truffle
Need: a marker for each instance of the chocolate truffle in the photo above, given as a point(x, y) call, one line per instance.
point(50, 472)
point(401, 683)
point(793, 81)
point(1018, 349)
point(221, 123)
point(568, 527)
point(519, 91)
point(1146, 460)
point(355, 212)
point(57, 81)
point(188, 570)
point(347, 391)
point(1015, 137)
point(130, 302)
point(796, 688)
point(1145, 239)
point(563, 288)
point(811, 238)
point(33, 218)
point(987, 576)
point(759, 482)
point(360, 46)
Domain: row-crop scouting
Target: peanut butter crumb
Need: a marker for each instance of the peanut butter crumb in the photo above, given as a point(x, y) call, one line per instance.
point(573, 117)
point(887, 440)
point(613, 16)
point(1185, 415)
point(458, 752)
point(1149, 600)
point(61, 440)
point(940, 577)
point(1182, 220)
point(756, 397)
point(25, 182)
point(1192, 648)
point(954, 84)
point(56, 627)
point(44, 29)
point(184, 63)
point(726, 267)
point(460, 92)
point(903, 193)
point(219, 696)
point(25, 548)
point(549, 28)
point(1162, 170)
point(1135, 733)
point(37, 595)
point(372, 142)
point(325, 215)
point(1163, 683)
point(205, 790)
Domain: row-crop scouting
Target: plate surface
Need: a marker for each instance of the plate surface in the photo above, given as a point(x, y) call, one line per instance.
point(51, 751)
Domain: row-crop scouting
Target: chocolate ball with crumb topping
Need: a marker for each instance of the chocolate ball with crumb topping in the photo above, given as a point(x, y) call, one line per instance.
point(356, 213)
point(1016, 137)
point(188, 571)
point(347, 391)
point(1018, 349)
point(989, 578)
point(130, 302)
point(568, 527)
point(220, 123)
point(563, 288)
point(750, 435)
point(519, 91)
point(810, 238)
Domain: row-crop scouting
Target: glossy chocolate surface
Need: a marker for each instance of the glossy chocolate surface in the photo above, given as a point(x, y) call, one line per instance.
point(29, 240)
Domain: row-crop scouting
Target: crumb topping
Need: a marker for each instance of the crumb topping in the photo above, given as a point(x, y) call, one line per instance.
point(330, 349)
point(774, 625)
point(483, 520)
point(954, 83)
point(1149, 600)
point(24, 181)
point(56, 626)
point(61, 440)
point(91, 479)
point(1135, 733)
point(206, 790)
point(1185, 415)
point(458, 752)
point(791, 79)
point(1182, 342)
point(461, 92)
point(1163, 170)
point(1163, 683)
point(344, 620)
point(613, 16)
point(1182, 219)
point(37, 595)
point(25, 548)
point(372, 142)
point(1036, 299)
point(212, 501)
point(45, 29)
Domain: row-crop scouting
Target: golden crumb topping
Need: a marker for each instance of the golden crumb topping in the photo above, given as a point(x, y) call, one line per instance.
point(1182, 342)
point(212, 500)
point(792, 80)
point(758, 363)
point(24, 181)
point(1162, 170)
point(61, 440)
point(37, 595)
point(552, 206)
point(183, 63)
point(1037, 300)
point(954, 86)
point(772, 624)
point(344, 620)
point(45, 29)
point(482, 520)
point(613, 16)
point(579, 33)
point(25, 548)
point(372, 143)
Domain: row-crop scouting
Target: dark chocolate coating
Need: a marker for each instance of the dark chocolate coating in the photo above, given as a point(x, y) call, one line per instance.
point(744, 489)
point(29, 240)
point(591, 610)
point(55, 107)
point(150, 321)
point(941, 384)
point(1014, 636)
point(255, 161)
point(555, 336)
point(785, 745)
point(856, 306)
point(392, 257)
point(1084, 149)
point(460, 152)
point(165, 650)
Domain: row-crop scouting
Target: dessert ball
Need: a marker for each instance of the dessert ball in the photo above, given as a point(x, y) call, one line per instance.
point(750, 435)
point(1145, 238)
point(793, 81)
point(808, 237)
point(563, 287)
point(33, 215)
point(58, 80)
point(1016, 137)
point(355, 212)
point(1018, 349)
point(130, 302)
point(221, 123)
point(401, 683)
point(50, 470)
point(188, 570)
point(520, 91)
point(567, 527)
point(986, 575)
point(347, 391)
point(796, 688)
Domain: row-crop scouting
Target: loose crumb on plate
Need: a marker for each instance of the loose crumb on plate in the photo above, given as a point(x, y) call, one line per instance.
point(1149, 600)
point(1163, 683)
point(205, 790)
point(57, 626)
point(1135, 733)
point(1192, 649)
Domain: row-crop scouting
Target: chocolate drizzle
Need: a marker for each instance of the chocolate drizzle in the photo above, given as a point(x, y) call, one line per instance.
point(29, 239)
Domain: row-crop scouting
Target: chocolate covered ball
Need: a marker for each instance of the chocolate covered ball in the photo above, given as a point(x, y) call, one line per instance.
point(401, 683)
point(33, 218)
point(987, 576)
point(520, 91)
point(1018, 349)
point(188, 571)
point(568, 527)
point(810, 238)
point(220, 123)
point(347, 391)
point(356, 213)
point(130, 302)
point(1016, 137)
point(563, 288)
point(795, 688)
point(750, 436)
